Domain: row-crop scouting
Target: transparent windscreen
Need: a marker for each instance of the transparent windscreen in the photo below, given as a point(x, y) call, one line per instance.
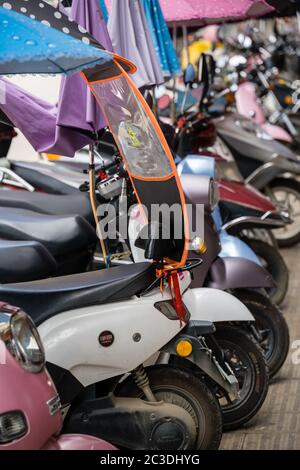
point(133, 129)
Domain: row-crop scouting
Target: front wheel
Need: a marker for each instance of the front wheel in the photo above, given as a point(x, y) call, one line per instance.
point(247, 361)
point(271, 328)
point(182, 388)
point(285, 193)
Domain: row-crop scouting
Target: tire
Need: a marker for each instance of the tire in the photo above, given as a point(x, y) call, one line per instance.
point(274, 263)
point(290, 235)
point(179, 386)
point(271, 326)
point(254, 384)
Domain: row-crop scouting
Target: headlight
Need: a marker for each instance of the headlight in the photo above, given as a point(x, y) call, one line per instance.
point(22, 339)
point(198, 245)
point(13, 426)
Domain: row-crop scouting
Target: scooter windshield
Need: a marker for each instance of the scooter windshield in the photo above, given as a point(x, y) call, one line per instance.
point(143, 147)
point(132, 129)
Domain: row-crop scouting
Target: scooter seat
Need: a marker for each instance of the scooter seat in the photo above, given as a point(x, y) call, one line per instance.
point(35, 174)
point(52, 204)
point(59, 234)
point(46, 298)
point(24, 261)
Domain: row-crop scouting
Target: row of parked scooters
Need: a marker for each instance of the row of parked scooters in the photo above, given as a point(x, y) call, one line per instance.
point(126, 370)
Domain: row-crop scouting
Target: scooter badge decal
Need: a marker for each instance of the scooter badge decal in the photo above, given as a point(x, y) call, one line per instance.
point(106, 339)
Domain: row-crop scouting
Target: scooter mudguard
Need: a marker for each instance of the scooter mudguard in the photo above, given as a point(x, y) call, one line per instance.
point(238, 273)
point(215, 306)
point(233, 247)
point(77, 442)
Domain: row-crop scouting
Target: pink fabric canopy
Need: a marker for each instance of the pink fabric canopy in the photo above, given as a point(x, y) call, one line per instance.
point(201, 12)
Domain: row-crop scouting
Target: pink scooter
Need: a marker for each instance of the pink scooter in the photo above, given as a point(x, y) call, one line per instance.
point(248, 105)
point(30, 416)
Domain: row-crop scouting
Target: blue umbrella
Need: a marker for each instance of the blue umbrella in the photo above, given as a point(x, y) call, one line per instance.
point(31, 46)
point(161, 38)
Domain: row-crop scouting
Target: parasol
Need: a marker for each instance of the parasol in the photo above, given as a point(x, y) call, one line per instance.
point(202, 12)
point(161, 38)
point(29, 46)
point(131, 38)
point(77, 107)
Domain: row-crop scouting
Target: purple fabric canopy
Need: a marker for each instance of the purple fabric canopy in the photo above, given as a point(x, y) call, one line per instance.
point(201, 12)
point(36, 118)
point(77, 107)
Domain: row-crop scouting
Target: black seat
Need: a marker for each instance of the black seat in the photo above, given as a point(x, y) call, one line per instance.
point(59, 234)
point(24, 261)
point(39, 180)
point(52, 204)
point(46, 298)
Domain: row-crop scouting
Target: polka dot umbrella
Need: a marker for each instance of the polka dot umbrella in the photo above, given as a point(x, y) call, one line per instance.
point(30, 45)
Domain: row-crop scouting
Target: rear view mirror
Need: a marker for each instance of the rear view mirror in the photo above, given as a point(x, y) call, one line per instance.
point(189, 75)
point(203, 76)
point(211, 68)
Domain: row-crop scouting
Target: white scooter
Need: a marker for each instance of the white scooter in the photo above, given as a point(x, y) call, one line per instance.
point(98, 327)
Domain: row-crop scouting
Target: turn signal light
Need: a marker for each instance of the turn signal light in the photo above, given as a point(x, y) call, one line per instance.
point(184, 348)
point(288, 100)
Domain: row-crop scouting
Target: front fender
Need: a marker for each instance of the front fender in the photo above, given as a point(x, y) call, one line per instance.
point(215, 305)
point(238, 273)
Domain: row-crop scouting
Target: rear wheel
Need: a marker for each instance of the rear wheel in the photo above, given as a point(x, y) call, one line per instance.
point(285, 193)
point(247, 361)
point(182, 388)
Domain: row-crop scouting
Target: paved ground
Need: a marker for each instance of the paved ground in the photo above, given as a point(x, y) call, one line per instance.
point(277, 425)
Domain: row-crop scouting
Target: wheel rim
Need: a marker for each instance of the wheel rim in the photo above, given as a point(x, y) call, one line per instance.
point(267, 338)
point(244, 371)
point(182, 398)
point(287, 199)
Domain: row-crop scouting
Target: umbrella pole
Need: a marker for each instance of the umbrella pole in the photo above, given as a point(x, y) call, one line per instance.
point(173, 104)
point(93, 200)
point(298, 19)
point(185, 44)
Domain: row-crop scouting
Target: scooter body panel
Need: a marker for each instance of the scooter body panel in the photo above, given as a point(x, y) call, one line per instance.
point(234, 247)
point(77, 442)
point(215, 306)
point(32, 394)
point(238, 273)
point(232, 128)
point(136, 329)
point(197, 165)
point(249, 107)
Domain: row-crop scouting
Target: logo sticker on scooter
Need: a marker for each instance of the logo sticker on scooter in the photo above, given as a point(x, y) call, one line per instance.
point(106, 339)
